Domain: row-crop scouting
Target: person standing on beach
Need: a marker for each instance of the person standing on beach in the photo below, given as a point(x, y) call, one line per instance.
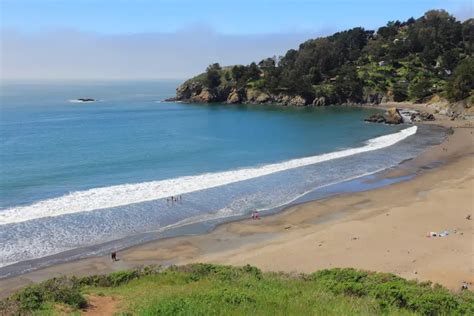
point(114, 256)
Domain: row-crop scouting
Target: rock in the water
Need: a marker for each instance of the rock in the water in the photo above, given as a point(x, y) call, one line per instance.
point(393, 116)
point(375, 118)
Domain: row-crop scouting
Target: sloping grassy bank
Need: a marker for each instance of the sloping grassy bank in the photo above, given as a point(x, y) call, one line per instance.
point(206, 289)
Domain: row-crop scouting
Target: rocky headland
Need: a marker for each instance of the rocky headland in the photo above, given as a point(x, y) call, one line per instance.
point(415, 61)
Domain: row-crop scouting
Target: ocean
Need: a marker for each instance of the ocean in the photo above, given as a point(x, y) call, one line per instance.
point(79, 179)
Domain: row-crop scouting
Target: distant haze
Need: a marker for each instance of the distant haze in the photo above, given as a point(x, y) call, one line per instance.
point(77, 55)
point(122, 39)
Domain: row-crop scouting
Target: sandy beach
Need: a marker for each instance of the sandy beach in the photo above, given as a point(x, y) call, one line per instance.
point(381, 230)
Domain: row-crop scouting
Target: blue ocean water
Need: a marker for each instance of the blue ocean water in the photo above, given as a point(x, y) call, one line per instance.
point(81, 174)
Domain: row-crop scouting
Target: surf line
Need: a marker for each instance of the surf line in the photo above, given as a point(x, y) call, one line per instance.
point(125, 194)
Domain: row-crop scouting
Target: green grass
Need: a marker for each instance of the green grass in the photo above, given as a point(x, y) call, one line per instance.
point(205, 289)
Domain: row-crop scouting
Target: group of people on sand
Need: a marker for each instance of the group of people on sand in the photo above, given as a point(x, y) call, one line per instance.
point(173, 199)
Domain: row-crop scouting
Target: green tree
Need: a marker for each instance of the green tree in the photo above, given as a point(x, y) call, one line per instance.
point(238, 72)
point(400, 92)
point(461, 83)
point(420, 89)
point(213, 75)
point(348, 85)
point(253, 72)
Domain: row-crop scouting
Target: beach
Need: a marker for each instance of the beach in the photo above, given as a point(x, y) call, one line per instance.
point(384, 229)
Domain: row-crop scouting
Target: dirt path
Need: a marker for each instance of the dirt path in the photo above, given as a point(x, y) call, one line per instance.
point(100, 306)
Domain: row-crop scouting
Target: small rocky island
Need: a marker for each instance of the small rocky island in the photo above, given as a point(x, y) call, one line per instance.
point(85, 100)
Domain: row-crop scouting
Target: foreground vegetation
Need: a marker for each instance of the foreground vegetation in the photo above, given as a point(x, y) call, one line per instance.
point(206, 289)
point(411, 60)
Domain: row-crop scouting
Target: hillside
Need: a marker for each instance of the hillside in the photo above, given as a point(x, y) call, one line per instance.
point(206, 289)
point(413, 60)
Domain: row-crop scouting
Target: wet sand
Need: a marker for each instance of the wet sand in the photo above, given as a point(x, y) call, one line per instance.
point(382, 230)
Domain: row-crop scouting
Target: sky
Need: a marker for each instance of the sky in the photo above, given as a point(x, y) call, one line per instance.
point(144, 39)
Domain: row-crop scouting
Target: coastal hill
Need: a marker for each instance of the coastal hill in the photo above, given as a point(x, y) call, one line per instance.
point(415, 60)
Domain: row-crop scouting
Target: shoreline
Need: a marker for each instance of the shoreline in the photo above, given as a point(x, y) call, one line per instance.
point(242, 238)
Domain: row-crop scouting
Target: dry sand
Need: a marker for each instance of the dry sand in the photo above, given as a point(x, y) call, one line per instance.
point(381, 230)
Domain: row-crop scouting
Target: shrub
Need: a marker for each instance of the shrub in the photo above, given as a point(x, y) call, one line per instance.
point(390, 290)
point(57, 290)
point(121, 277)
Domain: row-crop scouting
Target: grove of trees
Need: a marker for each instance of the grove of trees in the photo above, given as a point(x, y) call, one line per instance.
point(409, 60)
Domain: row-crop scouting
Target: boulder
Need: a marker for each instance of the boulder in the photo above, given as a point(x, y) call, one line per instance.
point(375, 118)
point(425, 116)
point(393, 116)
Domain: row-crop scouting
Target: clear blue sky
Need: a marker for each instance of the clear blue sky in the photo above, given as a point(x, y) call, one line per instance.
point(224, 16)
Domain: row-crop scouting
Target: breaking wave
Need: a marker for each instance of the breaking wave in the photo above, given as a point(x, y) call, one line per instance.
point(125, 194)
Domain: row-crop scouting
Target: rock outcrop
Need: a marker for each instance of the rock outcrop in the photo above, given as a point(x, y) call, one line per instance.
point(234, 97)
point(393, 116)
point(297, 101)
point(321, 101)
point(263, 98)
point(254, 96)
point(423, 116)
point(195, 91)
point(205, 96)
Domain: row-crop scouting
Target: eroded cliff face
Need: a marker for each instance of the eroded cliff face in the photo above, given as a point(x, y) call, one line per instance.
point(196, 92)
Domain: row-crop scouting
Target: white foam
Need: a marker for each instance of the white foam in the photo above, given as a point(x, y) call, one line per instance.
point(125, 194)
point(227, 212)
